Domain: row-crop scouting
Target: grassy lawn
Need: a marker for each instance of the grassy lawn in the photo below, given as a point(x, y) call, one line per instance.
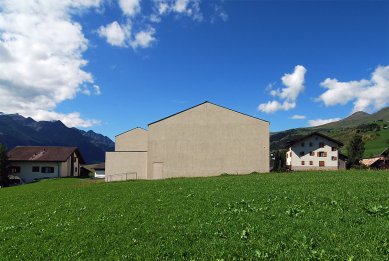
point(376, 146)
point(315, 215)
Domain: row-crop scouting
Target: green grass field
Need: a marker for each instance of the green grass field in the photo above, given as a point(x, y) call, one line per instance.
point(298, 216)
point(377, 145)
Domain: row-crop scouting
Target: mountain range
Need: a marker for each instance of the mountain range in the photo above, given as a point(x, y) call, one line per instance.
point(373, 128)
point(16, 130)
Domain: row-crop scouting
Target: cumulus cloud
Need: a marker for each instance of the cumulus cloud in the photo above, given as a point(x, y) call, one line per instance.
point(298, 117)
point(318, 122)
point(130, 7)
point(273, 106)
point(123, 35)
point(114, 33)
point(41, 63)
point(367, 95)
point(294, 85)
point(143, 38)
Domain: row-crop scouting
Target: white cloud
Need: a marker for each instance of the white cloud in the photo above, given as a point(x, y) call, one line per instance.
point(318, 122)
point(41, 62)
point(367, 95)
point(114, 33)
point(130, 7)
point(143, 39)
point(294, 83)
point(273, 106)
point(298, 117)
point(181, 6)
point(163, 7)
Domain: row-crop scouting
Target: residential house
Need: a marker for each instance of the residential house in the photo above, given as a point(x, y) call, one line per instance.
point(380, 161)
point(315, 152)
point(204, 140)
point(99, 170)
point(37, 162)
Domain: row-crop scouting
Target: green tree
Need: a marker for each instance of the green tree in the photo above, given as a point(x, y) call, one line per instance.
point(3, 166)
point(279, 160)
point(355, 148)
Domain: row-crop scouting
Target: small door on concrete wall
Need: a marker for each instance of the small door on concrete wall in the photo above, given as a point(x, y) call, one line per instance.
point(157, 170)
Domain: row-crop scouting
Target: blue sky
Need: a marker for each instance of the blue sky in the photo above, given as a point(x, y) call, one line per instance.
point(270, 59)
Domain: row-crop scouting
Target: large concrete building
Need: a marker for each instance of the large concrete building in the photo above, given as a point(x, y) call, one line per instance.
point(205, 140)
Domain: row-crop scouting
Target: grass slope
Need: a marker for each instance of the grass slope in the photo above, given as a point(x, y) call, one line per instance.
point(313, 215)
point(378, 144)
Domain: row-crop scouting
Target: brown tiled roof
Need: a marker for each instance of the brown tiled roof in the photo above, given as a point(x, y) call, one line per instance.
point(42, 153)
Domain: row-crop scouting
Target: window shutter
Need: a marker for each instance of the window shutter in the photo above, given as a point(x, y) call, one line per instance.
point(325, 154)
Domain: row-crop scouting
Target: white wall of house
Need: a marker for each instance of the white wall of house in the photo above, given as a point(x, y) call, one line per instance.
point(100, 173)
point(309, 155)
point(26, 170)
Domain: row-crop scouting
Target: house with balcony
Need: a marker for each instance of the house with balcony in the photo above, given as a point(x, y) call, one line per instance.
point(315, 151)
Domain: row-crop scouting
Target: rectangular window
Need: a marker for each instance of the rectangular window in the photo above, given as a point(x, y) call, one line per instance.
point(35, 169)
point(321, 164)
point(47, 169)
point(312, 153)
point(322, 154)
point(15, 169)
point(334, 158)
point(302, 162)
point(333, 148)
point(311, 163)
point(302, 153)
point(321, 144)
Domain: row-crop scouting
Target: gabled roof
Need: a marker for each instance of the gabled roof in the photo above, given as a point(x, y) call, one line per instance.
point(202, 104)
point(100, 166)
point(291, 143)
point(131, 130)
point(43, 153)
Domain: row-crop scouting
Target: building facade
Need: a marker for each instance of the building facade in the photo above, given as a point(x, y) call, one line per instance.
point(315, 152)
point(205, 140)
point(37, 162)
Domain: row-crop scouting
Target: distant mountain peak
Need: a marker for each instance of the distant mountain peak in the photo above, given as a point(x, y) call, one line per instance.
point(357, 115)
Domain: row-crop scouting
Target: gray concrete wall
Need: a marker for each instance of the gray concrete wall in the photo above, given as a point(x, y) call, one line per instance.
point(133, 140)
point(122, 165)
point(207, 140)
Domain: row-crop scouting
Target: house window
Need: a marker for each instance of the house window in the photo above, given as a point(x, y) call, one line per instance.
point(35, 169)
point(333, 148)
point(322, 154)
point(302, 144)
point(310, 144)
point(311, 163)
point(303, 163)
point(321, 144)
point(312, 153)
point(75, 170)
point(15, 169)
point(301, 153)
point(321, 164)
point(47, 169)
point(334, 158)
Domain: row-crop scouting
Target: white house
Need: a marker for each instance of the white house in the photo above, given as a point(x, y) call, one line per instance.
point(99, 170)
point(315, 152)
point(37, 162)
